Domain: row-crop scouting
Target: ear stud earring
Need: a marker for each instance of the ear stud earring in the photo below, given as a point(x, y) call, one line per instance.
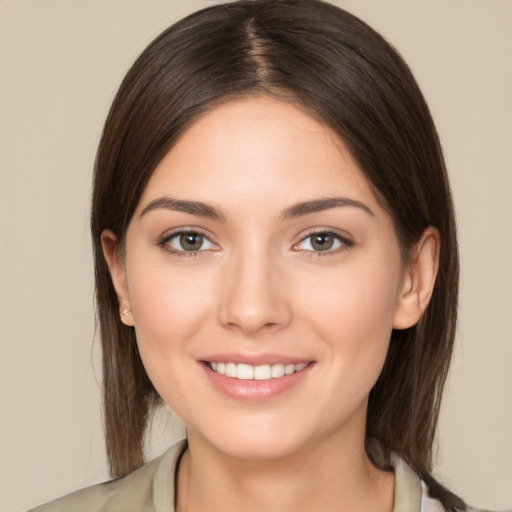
point(126, 312)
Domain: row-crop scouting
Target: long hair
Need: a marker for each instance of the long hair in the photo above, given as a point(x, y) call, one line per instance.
point(350, 79)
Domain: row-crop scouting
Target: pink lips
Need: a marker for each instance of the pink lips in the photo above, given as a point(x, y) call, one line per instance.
point(254, 390)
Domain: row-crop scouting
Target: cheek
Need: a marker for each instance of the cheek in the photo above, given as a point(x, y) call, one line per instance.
point(169, 306)
point(353, 311)
point(171, 310)
point(360, 297)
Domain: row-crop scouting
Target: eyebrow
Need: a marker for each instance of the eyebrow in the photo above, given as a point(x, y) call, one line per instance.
point(294, 211)
point(318, 205)
point(192, 207)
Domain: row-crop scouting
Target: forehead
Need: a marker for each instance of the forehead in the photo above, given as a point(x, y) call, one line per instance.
point(257, 149)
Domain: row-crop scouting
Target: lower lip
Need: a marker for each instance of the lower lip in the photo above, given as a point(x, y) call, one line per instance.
point(254, 390)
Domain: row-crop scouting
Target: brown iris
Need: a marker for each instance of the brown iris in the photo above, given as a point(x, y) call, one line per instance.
point(322, 241)
point(191, 241)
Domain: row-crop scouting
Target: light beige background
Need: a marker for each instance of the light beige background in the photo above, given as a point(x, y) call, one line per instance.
point(61, 62)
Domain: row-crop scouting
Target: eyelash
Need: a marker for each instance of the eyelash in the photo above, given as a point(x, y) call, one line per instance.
point(164, 243)
point(345, 243)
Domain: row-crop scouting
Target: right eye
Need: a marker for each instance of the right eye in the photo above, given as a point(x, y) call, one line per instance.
point(188, 242)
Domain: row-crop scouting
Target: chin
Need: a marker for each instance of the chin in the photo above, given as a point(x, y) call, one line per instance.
point(255, 440)
point(259, 448)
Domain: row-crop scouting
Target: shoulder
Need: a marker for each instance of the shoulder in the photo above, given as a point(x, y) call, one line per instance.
point(133, 492)
point(139, 491)
point(412, 493)
point(429, 504)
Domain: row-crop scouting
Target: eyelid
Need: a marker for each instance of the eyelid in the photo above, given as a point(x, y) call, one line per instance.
point(163, 241)
point(345, 240)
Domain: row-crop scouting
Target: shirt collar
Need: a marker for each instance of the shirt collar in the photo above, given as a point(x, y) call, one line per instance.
point(407, 483)
point(407, 487)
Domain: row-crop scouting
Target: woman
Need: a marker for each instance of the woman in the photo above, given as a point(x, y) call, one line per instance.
point(275, 259)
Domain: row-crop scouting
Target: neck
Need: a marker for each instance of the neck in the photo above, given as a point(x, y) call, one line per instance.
point(333, 474)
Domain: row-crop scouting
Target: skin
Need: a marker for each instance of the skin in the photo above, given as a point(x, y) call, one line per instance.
point(257, 286)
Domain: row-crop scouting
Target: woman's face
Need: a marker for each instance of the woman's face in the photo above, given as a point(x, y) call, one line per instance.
point(258, 249)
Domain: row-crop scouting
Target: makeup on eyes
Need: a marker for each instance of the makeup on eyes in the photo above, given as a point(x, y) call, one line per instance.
point(192, 242)
point(342, 231)
point(187, 242)
point(324, 241)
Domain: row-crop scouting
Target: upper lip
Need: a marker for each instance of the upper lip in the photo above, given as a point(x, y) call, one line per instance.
point(254, 359)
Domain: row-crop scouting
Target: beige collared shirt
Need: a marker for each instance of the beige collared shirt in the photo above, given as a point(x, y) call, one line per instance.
point(151, 489)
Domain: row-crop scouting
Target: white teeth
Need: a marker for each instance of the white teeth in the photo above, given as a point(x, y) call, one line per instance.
point(230, 370)
point(244, 371)
point(289, 369)
point(261, 372)
point(277, 371)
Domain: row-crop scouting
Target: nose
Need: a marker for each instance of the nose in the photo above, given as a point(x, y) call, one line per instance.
point(254, 294)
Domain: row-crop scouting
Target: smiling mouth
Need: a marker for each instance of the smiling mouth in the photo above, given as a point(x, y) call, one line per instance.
point(248, 372)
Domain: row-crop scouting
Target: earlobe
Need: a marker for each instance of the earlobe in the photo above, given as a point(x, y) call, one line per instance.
point(117, 273)
point(419, 280)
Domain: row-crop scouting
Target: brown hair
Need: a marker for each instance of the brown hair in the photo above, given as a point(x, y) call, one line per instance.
point(348, 77)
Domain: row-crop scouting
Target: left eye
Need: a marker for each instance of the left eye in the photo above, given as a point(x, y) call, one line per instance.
point(189, 241)
point(321, 242)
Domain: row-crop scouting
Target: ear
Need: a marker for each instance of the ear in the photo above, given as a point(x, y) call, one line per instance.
point(418, 280)
point(117, 273)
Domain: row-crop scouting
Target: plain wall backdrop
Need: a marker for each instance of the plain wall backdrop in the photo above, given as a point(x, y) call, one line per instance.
point(61, 62)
